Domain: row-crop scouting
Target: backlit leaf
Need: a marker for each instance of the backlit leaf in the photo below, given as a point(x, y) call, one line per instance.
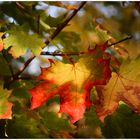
point(72, 103)
point(73, 82)
point(123, 86)
point(41, 93)
point(99, 35)
point(20, 41)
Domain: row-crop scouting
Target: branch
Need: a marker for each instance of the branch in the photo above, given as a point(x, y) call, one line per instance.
point(24, 67)
point(62, 54)
point(129, 37)
point(80, 53)
point(56, 32)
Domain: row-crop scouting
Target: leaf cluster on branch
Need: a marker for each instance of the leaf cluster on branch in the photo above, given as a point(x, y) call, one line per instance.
point(89, 73)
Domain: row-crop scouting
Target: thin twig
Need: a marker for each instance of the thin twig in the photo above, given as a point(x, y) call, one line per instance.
point(24, 67)
point(62, 54)
point(38, 25)
point(80, 53)
point(122, 40)
point(56, 32)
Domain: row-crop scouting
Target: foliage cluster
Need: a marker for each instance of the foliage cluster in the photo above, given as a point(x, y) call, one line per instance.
point(69, 69)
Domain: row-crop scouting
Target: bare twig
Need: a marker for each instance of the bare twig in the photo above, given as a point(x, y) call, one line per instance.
point(56, 32)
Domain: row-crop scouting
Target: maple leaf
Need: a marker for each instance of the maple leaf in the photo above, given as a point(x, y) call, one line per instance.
point(73, 82)
point(98, 62)
point(72, 103)
point(20, 41)
point(5, 105)
point(41, 93)
point(1, 42)
point(123, 86)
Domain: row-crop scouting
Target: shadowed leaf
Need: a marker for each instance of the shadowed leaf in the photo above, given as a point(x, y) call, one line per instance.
point(5, 105)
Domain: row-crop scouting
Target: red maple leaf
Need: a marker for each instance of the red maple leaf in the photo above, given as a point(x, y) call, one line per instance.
point(72, 103)
point(73, 82)
point(41, 93)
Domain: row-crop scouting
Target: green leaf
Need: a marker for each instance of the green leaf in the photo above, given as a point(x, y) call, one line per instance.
point(91, 118)
point(54, 123)
point(5, 105)
point(20, 40)
point(98, 36)
point(20, 88)
point(4, 70)
point(90, 128)
point(1, 42)
point(70, 42)
point(54, 21)
point(124, 123)
point(46, 26)
point(23, 126)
